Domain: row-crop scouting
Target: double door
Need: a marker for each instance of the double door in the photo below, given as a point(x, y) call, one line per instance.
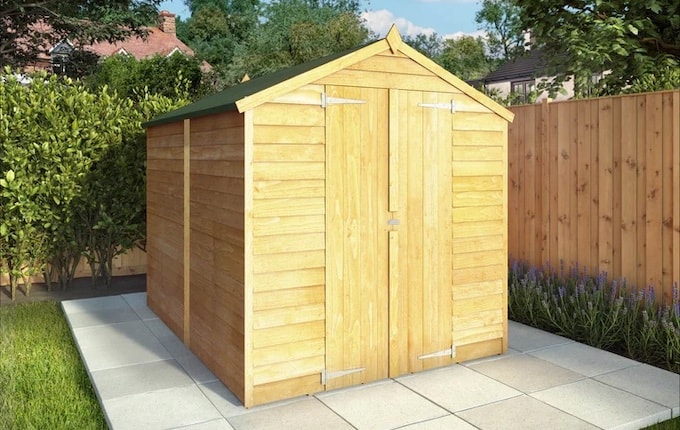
point(389, 238)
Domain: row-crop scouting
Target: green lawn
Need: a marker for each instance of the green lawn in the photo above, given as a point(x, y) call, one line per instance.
point(673, 424)
point(43, 383)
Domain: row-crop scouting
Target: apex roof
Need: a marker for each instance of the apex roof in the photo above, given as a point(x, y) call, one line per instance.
point(251, 93)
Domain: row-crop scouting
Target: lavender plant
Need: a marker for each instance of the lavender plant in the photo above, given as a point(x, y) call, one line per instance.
point(607, 314)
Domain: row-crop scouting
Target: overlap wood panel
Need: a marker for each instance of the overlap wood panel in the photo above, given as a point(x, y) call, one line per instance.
point(288, 228)
point(626, 190)
point(480, 254)
point(216, 311)
point(165, 183)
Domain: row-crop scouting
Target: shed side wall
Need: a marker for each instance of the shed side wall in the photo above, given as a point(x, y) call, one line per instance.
point(479, 234)
point(288, 246)
point(217, 243)
point(165, 220)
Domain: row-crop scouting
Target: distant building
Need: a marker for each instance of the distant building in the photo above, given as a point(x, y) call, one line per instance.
point(161, 40)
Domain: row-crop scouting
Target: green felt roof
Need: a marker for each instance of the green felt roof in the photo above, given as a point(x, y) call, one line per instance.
point(226, 99)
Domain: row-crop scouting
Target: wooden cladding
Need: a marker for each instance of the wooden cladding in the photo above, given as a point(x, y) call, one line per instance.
point(597, 183)
point(346, 228)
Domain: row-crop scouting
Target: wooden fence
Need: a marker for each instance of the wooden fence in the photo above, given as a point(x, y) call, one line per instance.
point(597, 183)
point(132, 262)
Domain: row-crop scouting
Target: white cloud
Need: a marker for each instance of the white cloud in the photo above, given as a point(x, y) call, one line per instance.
point(380, 21)
point(459, 34)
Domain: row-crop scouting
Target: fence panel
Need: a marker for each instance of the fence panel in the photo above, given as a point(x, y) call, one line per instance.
point(596, 183)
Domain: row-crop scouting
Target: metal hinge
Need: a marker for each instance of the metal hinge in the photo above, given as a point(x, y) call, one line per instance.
point(451, 105)
point(326, 375)
point(451, 352)
point(326, 100)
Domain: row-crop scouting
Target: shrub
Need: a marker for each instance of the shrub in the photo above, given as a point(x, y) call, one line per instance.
point(72, 176)
point(607, 314)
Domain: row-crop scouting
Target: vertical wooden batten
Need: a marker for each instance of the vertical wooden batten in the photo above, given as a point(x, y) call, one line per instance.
point(187, 231)
point(248, 275)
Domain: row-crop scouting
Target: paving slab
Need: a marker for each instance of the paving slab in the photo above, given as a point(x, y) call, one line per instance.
point(457, 387)
point(220, 424)
point(163, 409)
point(224, 400)
point(524, 338)
point(94, 304)
point(449, 422)
point(302, 414)
point(604, 406)
point(583, 359)
point(137, 302)
point(119, 344)
point(147, 378)
point(381, 405)
point(526, 373)
point(649, 382)
point(522, 413)
point(139, 378)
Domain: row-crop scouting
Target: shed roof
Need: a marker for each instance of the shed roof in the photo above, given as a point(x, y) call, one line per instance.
point(251, 93)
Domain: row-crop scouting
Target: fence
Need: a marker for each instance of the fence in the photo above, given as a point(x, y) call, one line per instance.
point(597, 183)
point(132, 262)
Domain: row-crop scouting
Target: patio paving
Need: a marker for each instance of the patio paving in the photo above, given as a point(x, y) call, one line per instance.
point(146, 378)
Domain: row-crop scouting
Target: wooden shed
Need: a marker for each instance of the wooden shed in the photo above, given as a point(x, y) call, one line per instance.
point(335, 223)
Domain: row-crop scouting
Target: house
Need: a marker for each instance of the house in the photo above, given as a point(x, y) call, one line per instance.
point(520, 77)
point(335, 223)
point(161, 40)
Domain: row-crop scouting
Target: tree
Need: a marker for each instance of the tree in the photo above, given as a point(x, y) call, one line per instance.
point(216, 28)
point(501, 21)
point(295, 31)
point(30, 28)
point(625, 39)
point(465, 57)
point(170, 76)
point(428, 45)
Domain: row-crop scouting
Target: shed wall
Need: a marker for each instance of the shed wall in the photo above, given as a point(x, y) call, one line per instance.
point(216, 312)
point(288, 246)
point(165, 224)
point(479, 234)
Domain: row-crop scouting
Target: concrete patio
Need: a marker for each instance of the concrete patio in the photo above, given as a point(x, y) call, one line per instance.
point(145, 378)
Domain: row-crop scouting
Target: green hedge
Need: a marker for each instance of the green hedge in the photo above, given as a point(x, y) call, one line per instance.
point(72, 176)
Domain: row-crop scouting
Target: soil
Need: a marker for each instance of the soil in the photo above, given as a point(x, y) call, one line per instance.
point(79, 289)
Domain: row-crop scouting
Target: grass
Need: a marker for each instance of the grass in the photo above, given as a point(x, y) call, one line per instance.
point(43, 383)
point(673, 424)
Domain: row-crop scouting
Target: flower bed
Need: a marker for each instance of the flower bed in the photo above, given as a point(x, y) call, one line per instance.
point(606, 314)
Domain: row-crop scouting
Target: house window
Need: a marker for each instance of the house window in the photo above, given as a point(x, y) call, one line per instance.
point(59, 64)
point(60, 55)
point(521, 90)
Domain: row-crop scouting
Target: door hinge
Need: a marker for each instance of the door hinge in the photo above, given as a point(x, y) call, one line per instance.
point(451, 105)
point(451, 352)
point(327, 100)
point(326, 375)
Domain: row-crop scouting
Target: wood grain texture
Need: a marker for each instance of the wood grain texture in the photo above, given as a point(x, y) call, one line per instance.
point(625, 189)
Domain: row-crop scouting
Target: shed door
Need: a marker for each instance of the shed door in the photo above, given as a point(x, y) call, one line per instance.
point(388, 250)
point(356, 236)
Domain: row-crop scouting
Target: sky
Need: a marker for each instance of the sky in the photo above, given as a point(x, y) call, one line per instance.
point(447, 18)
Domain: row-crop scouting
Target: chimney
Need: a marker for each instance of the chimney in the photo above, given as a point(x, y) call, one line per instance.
point(166, 22)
